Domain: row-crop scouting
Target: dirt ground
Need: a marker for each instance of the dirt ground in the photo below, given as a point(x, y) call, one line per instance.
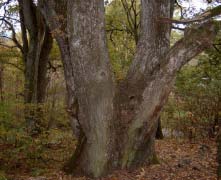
point(178, 160)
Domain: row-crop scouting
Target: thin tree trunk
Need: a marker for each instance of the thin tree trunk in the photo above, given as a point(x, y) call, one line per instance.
point(52, 110)
point(219, 144)
point(219, 153)
point(1, 82)
point(159, 133)
point(42, 66)
point(50, 10)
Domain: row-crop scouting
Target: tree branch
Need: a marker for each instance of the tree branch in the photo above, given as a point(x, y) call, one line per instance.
point(10, 18)
point(132, 18)
point(12, 64)
point(195, 40)
point(180, 7)
point(202, 17)
point(7, 46)
point(13, 38)
point(178, 28)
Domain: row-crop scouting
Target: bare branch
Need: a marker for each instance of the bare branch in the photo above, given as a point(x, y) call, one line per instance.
point(54, 68)
point(217, 49)
point(178, 28)
point(180, 7)
point(12, 64)
point(7, 46)
point(13, 38)
point(10, 18)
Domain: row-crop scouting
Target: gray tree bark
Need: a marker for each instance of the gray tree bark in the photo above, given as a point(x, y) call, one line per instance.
point(55, 14)
point(118, 122)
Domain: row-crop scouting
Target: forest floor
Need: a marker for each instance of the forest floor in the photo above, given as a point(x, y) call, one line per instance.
point(178, 160)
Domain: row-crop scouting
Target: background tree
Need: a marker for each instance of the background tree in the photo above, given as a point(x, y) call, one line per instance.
point(121, 39)
point(36, 48)
point(35, 45)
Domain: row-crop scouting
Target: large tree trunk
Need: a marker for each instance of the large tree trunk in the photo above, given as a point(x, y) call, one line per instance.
point(94, 85)
point(92, 110)
point(118, 123)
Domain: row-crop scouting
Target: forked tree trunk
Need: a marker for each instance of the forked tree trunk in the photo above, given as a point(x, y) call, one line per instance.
point(139, 103)
point(118, 122)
